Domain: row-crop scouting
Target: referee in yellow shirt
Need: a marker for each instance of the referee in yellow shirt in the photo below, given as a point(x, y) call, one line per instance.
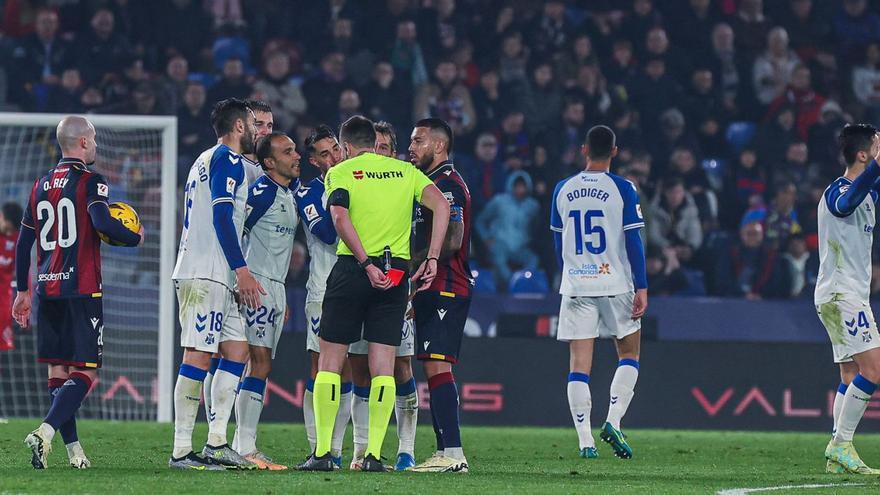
point(371, 200)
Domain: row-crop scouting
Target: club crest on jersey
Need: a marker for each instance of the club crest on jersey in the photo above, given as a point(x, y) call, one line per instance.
point(103, 190)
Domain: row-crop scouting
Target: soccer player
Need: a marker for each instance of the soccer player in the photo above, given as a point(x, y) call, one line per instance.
point(441, 311)
point(263, 123)
point(406, 406)
point(596, 217)
point(210, 268)
point(10, 222)
point(66, 211)
point(321, 239)
point(371, 203)
point(270, 226)
point(846, 223)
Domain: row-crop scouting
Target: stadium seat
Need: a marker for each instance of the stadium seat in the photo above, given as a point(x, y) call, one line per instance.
point(529, 282)
point(484, 282)
point(739, 134)
point(696, 283)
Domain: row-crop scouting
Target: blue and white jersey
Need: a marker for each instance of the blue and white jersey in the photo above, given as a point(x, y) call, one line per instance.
point(844, 245)
point(592, 210)
point(217, 176)
point(252, 169)
point(321, 239)
point(269, 228)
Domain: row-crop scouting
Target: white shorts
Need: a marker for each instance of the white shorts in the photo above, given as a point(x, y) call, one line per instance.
point(208, 315)
point(850, 325)
point(585, 317)
point(313, 324)
point(265, 324)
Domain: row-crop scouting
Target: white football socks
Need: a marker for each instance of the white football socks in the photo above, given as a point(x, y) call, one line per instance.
point(406, 410)
point(838, 404)
point(858, 394)
point(622, 390)
point(187, 395)
point(580, 402)
point(248, 406)
point(360, 420)
point(222, 399)
point(343, 415)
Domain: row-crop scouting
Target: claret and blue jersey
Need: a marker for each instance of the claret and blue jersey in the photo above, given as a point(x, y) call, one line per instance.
point(596, 217)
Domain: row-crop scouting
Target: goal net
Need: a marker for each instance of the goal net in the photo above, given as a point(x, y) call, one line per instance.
point(137, 156)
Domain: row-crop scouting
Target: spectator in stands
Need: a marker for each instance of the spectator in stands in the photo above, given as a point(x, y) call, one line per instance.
point(506, 227)
point(568, 141)
point(673, 134)
point(102, 52)
point(773, 137)
point(280, 91)
point(590, 87)
point(358, 60)
point(550, 31)
point(322, 90)
point(484, 172)
point(448, 99)
point(579, 54)
point(654, 91)
point(749, 268)
point(514, 59)
point(751, 27)
point(233, 82)
point(780, 218)
point(513, 141)
point(175, 81)
point(657, 45)
point(349, 106)
point(704, 109)
point(745, 188)
point(67, 97)
point(406, 55)
point(805, 100)
point(639, 21)
point(194, 135)
point(683, 165)
point(809, 33)
point(543, 100)
point(40, 58)
point(854, 27)
point(622, 66)
point(490, 100)
point(731, 68)
point(675, 220)
point(387, 98)
point(866, 83)
point(773, 69)
point(182, 27)
point(795, 264)
point(692, 28)
point(665, 276)
point(823, 143)
point(796, 168)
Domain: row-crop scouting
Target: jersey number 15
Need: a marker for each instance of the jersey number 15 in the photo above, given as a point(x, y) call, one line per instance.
point(588, 229)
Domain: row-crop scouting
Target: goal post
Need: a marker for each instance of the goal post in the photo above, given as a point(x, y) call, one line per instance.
point(138, 156)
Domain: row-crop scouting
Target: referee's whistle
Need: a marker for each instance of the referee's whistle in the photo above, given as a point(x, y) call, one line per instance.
point(387, 258)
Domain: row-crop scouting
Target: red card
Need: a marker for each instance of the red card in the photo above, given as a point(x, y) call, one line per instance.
point(395, 275)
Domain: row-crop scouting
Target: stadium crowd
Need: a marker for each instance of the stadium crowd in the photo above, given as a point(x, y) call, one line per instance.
point(726, 110)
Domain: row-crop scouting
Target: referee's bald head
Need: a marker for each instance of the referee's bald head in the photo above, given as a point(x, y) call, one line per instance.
point(76, 137)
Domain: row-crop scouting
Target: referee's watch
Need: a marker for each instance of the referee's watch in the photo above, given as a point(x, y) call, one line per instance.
point(367, 262)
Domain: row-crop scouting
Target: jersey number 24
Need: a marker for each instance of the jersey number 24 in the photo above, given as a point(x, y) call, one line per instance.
point(583, 227)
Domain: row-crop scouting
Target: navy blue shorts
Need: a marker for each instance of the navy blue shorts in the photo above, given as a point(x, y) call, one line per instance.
point(440, 321)
point(70, 332)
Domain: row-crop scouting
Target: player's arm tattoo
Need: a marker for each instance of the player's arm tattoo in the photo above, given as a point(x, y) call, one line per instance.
point(451, 244)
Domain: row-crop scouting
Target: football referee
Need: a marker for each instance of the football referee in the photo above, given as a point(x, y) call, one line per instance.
point(371, 200)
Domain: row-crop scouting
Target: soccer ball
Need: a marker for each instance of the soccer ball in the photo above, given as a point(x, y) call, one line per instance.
point(125, 214)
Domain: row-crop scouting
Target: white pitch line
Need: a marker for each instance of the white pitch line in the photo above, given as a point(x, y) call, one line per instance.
point(744, 491)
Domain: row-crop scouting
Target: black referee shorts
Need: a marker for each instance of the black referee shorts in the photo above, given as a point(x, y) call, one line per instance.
point(351, 304)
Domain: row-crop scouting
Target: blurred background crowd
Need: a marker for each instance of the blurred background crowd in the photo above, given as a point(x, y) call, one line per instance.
point(726, 111)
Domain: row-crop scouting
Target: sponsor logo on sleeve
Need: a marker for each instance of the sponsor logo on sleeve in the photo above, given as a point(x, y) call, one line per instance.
point(639, 211)
point(311, 212)
point(230, 185)
point(449, 197)
point(103, 190)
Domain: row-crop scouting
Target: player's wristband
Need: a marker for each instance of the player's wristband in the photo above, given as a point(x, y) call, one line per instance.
point(367, 262)
point(432, 258)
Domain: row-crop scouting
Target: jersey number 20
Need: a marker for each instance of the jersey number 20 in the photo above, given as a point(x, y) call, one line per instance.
point(596, 243)
point(66, 225)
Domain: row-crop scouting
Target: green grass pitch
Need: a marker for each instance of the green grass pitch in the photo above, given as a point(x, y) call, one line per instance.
point(131, 457)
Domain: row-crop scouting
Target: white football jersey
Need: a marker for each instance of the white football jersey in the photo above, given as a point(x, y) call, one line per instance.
point(252, 169)
point(270, 226)
point(592, 210)
point(321, 239)
point(216, 176)
point(844, 245)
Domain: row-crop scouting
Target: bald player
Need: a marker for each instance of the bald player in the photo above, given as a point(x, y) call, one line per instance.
point(67, 209)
